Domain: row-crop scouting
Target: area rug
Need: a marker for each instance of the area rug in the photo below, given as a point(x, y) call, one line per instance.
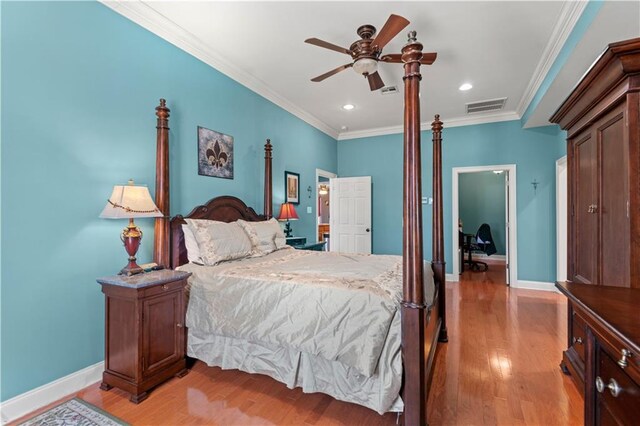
point(74, 412)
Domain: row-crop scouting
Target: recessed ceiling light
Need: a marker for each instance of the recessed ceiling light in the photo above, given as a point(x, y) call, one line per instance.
point(344, 128)
point(465, 86)
point(348, 107)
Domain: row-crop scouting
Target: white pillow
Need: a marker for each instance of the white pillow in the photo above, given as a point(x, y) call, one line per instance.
point(281, 240)
point(262, 236)
point(190, 242)
point(220, 241)
point(266, 236)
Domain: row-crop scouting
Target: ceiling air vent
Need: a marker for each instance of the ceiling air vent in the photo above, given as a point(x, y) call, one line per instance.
point(484, 106)
point(388, 90)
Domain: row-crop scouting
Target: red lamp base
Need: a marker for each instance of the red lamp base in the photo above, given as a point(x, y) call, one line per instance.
point(131, 237)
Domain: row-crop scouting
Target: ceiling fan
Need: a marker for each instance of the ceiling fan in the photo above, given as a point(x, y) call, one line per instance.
point(367, 51)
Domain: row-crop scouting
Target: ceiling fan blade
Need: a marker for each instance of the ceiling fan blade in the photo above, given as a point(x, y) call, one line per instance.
point(391, 28)
point(332, 72)
point(375, 81)
point(396, 58)
point(392, 58)
point(428, 58)
point(327, 45)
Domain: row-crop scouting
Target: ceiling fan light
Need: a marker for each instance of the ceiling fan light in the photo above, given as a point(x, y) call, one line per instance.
point(365, 66)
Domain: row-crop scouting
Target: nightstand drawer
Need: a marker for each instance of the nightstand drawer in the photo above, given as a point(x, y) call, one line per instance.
point(164, 288)
point(296, 241)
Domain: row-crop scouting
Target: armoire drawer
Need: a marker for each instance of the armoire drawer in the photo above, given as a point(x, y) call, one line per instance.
point(616, 390)
point(578, 335)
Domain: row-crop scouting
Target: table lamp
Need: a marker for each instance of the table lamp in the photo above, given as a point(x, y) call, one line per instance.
point(129, 202)
point(287, 212)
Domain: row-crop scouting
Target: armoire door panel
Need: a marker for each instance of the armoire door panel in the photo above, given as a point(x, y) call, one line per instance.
point(614, 199)
point(585, 220)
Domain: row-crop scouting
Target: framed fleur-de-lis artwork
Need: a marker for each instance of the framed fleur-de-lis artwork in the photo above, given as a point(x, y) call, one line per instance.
point(215, 154)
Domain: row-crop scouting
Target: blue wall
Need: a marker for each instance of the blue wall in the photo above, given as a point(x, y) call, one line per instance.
point(79, 88)
point(482, 200)
point(534, 151)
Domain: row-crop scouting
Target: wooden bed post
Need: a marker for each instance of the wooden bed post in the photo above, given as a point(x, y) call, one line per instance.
point(438, 262)
point(413, 307)
point(161, 228)
point(268, 204)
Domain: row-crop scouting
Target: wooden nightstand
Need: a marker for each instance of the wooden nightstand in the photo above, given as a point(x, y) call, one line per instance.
point(312, 246)
point(296, 241)
point(144, 330)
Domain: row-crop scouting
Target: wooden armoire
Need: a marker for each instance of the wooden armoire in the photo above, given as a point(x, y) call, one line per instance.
point(602, 120)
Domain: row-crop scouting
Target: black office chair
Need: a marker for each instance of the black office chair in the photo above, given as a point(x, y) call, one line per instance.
point(481, 242)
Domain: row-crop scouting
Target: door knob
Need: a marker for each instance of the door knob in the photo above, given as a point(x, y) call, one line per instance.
point(368, 230)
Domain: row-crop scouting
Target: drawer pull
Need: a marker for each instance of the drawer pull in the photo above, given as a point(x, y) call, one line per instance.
point(179, 325)
point(622, 362)
point(577, 340)
point(613, 386)
point(599, 384)
point(165, 287)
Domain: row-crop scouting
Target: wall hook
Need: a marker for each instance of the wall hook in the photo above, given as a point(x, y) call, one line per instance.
point(309, 190)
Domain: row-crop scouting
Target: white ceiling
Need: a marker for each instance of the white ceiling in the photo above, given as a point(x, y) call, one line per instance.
point(503, 48)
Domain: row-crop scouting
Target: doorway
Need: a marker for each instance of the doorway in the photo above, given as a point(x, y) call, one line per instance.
point(506, 175)
point(323, 206)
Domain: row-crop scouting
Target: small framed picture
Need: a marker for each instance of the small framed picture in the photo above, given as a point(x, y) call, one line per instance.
point(291, 188)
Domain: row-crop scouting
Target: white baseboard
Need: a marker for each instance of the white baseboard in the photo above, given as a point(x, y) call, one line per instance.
point(452, 278)
point(27, 402)
point(535, 285)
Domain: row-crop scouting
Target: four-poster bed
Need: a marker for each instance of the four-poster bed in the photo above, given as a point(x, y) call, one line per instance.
point(422, 316)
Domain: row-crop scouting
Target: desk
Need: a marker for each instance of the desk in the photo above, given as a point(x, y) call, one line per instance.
point(465, 240)
point(473, 264)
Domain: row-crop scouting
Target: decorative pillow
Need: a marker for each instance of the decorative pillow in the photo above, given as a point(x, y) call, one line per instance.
point(219, 241)
point(281, 240)
point(263, 236)
point(190, 242)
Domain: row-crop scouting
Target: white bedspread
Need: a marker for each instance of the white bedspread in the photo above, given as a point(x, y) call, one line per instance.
point(342, 308)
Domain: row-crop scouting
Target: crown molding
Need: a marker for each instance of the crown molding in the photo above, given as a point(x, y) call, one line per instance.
point(150, 19)
point(569, 16)
point(448, 122)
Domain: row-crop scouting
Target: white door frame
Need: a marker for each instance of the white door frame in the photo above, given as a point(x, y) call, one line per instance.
point(513, 228)
point(561, 219)
point(329, 175)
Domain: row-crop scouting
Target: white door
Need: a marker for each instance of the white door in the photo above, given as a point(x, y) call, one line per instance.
point(506, 231)
point(350, 222)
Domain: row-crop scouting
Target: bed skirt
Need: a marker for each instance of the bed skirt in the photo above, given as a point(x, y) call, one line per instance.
point(379, 392)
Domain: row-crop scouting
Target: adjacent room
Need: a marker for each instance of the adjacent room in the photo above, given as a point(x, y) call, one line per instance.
point(319, 213)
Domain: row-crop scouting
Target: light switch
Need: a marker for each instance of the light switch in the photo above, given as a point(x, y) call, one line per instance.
point(309, 210)
point(427, 200)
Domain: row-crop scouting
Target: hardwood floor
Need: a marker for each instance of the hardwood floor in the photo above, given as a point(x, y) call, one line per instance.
point(499, 367)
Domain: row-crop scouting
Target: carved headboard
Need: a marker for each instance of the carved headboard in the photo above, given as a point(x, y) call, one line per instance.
point(222, 209)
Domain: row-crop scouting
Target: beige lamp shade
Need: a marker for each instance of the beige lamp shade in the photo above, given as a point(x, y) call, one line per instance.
point(130, 201)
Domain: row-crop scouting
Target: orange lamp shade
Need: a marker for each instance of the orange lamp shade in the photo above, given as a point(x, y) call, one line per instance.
point(287, 212)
